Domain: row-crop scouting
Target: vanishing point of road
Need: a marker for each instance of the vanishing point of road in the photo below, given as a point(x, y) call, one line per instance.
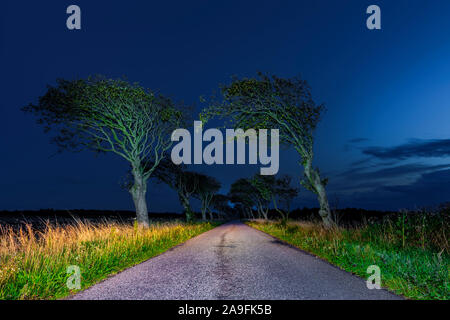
point(233, 261)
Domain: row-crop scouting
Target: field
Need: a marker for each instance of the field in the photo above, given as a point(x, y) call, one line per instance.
point(36, 261)
point(412, 251)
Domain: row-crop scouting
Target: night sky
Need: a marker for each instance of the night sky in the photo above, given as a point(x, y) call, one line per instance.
point(384, 142)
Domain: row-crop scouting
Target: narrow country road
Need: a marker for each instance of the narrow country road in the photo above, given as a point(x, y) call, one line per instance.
point(233, 261)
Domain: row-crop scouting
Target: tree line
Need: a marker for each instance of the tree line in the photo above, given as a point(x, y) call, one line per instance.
point(135, 123)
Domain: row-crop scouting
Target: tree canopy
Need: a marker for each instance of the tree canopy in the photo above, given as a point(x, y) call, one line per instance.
point(271, 102)
point(105, 115)
point(206, 190)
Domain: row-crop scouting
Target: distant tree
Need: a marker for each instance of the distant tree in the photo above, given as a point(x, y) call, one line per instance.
point(220, 203)
point(241, 210)
point(283, 196)
point(107, 115)
point(206, 189)
point(275, 103)
point(185, 183)
point(275, 191)
point(265, 190)
point(244, 195)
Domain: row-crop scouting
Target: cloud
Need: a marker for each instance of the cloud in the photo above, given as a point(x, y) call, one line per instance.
point(360, 173)
point(358, 140)
point(388, 178)
point(439, 148)
point(429, 190)
point(352, 142)
point(431, 184)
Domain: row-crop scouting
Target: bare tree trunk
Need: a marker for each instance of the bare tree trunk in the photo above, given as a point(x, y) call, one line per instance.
point(206, 203)
point(187, 207)
point(248, 214)
point(203, 213)
point(259, 213)
point(266, 214)
point(318, 187)
point(138, 192)
point(262, 212)
point(204, 208)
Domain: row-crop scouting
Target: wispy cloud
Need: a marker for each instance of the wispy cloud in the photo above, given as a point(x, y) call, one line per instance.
point(430, 189)
point(390, 177)
point(364, 173)
point(415, 148)
point(429, 185)
point(352, 143)
point(358, 140)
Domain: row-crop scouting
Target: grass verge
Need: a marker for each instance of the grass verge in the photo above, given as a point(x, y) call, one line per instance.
point(409, 268)
point(34, 264)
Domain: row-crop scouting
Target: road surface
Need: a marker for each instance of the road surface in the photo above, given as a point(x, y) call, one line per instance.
point(233, 261)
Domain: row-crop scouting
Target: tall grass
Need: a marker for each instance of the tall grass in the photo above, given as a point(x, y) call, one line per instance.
point(412, 250)
point(33, 264)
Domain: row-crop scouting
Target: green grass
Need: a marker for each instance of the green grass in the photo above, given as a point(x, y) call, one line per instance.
point(33, 265)
point(414, 265)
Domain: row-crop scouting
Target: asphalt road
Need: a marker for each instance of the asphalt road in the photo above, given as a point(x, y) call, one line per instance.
point(237, 262)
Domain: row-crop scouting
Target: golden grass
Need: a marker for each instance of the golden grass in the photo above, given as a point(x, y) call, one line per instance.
point(33, 264)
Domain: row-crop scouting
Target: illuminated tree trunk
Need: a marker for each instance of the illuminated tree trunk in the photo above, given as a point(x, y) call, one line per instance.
point(138, 192)
point(317, 185)
point(262, 212)
point(203, 212)
point(205, 205)
point(187, 207)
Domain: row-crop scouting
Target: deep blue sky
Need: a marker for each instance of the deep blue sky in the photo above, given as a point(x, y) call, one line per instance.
point(384, 141)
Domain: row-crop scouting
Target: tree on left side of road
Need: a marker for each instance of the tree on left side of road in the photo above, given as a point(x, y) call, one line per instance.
point(105, 115)
point(221, 204)
point(184, 182)
point(244, 196)
point(207, 188)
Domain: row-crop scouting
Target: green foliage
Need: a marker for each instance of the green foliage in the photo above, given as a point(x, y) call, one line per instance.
point(207, 186)
point(413, 253)
point(220, 203)
point(106, 115)
point(244, 194)
point(277, 191)
point(187, 184)
point(265, 185)
point(269, 102)
point(37, 270)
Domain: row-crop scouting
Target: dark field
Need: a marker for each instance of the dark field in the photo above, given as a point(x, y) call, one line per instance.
point(39, 219)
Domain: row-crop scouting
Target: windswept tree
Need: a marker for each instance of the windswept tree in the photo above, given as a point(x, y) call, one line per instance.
point(270, 102)
point(220, 204)
point(264, 190)
point(283, 196)
point(274, 191)
point(206, 189)
point(244, 196)
point(105, 115)
point(185, 183)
